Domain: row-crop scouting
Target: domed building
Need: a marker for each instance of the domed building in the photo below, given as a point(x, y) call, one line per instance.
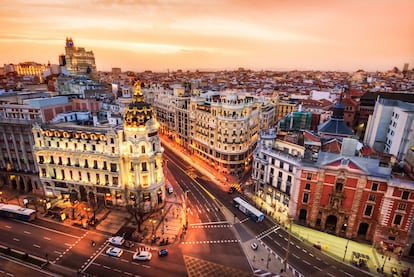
point(102, 164)
point(141, 153)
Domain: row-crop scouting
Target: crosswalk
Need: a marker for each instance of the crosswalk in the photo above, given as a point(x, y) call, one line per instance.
point(211, 226)
point(211, 241)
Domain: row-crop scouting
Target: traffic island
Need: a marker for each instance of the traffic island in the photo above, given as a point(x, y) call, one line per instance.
point(22, 256)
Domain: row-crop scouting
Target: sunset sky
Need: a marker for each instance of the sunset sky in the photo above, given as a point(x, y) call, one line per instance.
point(162, 35)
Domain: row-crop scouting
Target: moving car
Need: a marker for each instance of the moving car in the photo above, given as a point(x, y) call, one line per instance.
point(116, 240)
point(114, 251)
point(254, 246)
point(163, 252)
point(142, 256)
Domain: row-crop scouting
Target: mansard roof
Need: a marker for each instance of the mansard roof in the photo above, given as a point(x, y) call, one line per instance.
point(370, 167)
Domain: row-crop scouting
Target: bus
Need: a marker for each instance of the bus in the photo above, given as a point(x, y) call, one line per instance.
point(17, 212)
point(248, 209)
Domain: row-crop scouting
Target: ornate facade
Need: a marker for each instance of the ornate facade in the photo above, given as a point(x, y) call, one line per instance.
point(103, 164)
point(224, 130)
point(77, 60)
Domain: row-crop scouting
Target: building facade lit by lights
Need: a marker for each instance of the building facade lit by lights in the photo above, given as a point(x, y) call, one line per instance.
point(103, 164)
point(224, 129)
point(77, 60)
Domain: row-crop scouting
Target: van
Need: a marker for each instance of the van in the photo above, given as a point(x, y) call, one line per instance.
point(170, 189)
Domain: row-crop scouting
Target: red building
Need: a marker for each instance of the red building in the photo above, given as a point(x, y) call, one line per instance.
point(355, 197)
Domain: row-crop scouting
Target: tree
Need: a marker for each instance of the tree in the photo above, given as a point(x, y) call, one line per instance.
point(140, 214)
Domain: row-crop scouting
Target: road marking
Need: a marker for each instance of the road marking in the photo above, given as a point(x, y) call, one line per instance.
point(107, 267)
point(27, 232)
point(50, 230)
point(16, 239)
point(296, 256)
point(330, 274)
point(68, 244)
point(8, 226)
point(47, 238)
point(57, 252)
point(35, 245)
point(128, 273)
point(348, 274)
point(317, 268)
point(146, 266)
point(306, 262)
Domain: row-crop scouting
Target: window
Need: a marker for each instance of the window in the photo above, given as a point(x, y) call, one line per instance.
point(398, 219)
point(309, 176)
point(402, 206)
point(95, 164)
point(113, 167)
point(43, 172)
point(144, 166)
point(41, 159)
point(339, 186)
point(88, 175)
point(290, 168)
point(368, 210)
point(307, 186)
point(69, 163)
point(371, 197)
point(405, 195)
point(104, 166)
point(132, 166)
point(86, 164)
point(281, 165)
point(374, 187)
point(305, 198)
point(280, 174)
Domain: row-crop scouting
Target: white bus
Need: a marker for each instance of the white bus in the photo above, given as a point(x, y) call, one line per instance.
point(17, 212)
point(248, 209)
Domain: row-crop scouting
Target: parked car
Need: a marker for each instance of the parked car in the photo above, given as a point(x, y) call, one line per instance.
point(142, 256)
point(114, 251)
point(163, 252)
point(254, 246)
point(116, 240)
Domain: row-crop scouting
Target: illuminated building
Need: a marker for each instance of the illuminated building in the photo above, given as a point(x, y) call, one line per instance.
point(31, 69)
point(77, 60)
point(102, 163)
point(224, 130)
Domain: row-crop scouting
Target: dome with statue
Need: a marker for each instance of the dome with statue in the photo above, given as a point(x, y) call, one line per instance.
point(138, 112)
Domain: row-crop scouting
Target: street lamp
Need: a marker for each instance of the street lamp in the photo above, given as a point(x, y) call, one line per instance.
point(385, 259)
point(346, 248)
point(153, 221)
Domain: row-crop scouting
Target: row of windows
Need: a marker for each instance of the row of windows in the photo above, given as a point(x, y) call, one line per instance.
point(113, 166)
point(369, 209)
point(80, 176)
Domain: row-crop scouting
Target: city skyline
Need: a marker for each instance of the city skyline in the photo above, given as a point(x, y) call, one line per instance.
point(213, 35)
